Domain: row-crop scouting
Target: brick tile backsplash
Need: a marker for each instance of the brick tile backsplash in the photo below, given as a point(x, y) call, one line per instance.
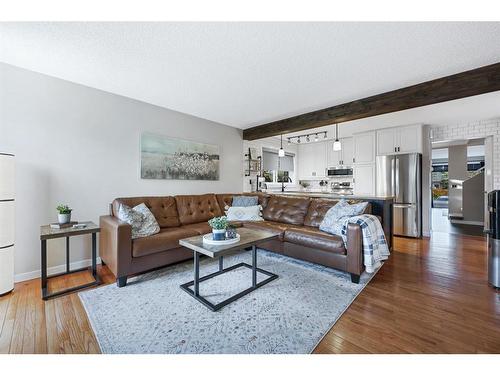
point(477, 129)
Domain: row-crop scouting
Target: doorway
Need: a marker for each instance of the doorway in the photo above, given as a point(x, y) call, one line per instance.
point(458, 184)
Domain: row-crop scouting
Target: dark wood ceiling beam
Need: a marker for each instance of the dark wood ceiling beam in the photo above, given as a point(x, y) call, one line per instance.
point(472, 82)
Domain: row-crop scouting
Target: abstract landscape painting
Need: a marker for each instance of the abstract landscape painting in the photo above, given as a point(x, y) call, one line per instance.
point(167, 158)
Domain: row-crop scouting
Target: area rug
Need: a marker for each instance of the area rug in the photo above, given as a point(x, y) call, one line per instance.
point(291, 314)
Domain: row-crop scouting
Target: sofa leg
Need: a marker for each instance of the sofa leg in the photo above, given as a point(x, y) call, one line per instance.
point(121, 281)
point(355, 278)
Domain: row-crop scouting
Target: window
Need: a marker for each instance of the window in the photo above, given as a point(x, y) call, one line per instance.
point(276, 169)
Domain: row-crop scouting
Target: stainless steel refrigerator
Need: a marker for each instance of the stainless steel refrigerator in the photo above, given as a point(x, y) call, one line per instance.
point(400, 176)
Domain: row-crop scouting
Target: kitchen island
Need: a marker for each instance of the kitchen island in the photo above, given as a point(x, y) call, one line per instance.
point(381, 206)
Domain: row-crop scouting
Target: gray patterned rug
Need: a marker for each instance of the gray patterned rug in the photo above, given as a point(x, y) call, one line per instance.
point(152, 314)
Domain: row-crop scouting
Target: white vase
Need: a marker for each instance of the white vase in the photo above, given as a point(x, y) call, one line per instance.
point(64, 218)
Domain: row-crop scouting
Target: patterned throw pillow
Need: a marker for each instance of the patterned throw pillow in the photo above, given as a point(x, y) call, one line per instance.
point(244, 201)
point(250, 213)
point(334, 218)
point(141, 220)
point(149, 225)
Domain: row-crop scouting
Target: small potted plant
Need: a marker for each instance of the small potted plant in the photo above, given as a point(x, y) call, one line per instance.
point(64, 215)
point(219, 225)
point(324, 185)
point(304, 184)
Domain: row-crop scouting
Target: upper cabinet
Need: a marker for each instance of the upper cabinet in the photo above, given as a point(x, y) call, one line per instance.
point(312, 160)
point(399, 140)
point(364, 148)
point(342, 157)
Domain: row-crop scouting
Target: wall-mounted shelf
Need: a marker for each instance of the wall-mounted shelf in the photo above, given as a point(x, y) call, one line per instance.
point(253, 165)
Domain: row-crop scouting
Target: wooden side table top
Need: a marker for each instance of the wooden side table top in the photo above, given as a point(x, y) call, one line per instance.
point(47, 233)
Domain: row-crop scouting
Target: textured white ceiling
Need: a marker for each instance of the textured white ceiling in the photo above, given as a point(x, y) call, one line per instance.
point(245, 74)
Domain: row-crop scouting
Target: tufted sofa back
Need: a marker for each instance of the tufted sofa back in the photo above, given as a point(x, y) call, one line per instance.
point(164, 209)
point(288, 210)
point(197, 208)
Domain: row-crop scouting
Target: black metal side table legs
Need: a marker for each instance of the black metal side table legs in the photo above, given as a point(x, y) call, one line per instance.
point(195, 284)
point(45, 294)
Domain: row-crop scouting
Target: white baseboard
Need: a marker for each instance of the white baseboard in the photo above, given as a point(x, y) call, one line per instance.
point(53, 270)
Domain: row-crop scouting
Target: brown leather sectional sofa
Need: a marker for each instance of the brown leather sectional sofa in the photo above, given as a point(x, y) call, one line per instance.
point(294, 219)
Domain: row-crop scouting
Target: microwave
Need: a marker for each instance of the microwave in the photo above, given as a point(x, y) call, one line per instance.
point(338, 171)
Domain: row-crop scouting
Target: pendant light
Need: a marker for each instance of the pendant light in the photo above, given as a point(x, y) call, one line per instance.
point(281, 152)
point(337, 146)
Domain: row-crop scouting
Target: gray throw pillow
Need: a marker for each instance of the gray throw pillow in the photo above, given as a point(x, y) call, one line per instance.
point(334, 218)
point(141, 220)
point(244, 201)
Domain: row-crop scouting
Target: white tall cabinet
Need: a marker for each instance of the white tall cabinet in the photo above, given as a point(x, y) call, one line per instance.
point(364, 163)
point(6, 223)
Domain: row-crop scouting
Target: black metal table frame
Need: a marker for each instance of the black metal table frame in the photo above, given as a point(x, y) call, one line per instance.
point(45, 294)
point(195, 291)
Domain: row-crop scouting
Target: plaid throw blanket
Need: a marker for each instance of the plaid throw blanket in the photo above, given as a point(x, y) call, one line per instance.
point(375, 247)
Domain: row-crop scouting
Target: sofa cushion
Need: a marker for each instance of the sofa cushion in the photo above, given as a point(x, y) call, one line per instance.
point(314, 238)
point(167, 239)
point(164, 209)
point(140, 218)
point(273, 227)
point(226, 200)
point(245, 201)
point(250, 213)
point(317, 210)
point(288, 210)
point(197, 208)
point(201, 228)
point(334, 220)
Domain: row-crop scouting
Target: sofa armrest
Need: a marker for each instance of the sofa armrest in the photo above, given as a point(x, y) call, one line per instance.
point(115, 244)
point(354, 249)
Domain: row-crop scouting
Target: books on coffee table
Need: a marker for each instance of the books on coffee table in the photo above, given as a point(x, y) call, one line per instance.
point(62, 226)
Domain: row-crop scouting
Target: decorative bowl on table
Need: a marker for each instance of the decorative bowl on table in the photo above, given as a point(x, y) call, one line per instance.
point(208, 240)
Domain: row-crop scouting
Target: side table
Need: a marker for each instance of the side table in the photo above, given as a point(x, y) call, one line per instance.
point(48, 233)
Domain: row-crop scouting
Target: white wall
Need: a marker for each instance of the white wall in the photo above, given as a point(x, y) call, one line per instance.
point(80, 146)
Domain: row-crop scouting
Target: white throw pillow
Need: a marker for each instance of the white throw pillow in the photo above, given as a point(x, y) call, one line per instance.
point(140, 218)
point(249, 213)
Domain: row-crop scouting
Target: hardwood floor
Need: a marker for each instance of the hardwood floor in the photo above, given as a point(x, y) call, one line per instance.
point(431, 296)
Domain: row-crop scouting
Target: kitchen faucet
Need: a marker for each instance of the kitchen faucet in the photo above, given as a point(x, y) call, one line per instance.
point(288, 179)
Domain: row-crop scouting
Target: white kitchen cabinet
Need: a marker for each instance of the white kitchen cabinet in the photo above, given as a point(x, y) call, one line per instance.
point(312, 160)
point(364, 148)
point(410, 139)
point(364, 179)
point(342, 157)
point(347, 151)
point(386, 141)
point(399, 140)
point(333, 158)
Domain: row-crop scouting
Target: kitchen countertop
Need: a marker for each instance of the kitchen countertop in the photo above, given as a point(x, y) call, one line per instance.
point(331, 195)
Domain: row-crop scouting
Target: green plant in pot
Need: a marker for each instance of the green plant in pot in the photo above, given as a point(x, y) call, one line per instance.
point(64, 215)
point(304, 184)
point(218, 225)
